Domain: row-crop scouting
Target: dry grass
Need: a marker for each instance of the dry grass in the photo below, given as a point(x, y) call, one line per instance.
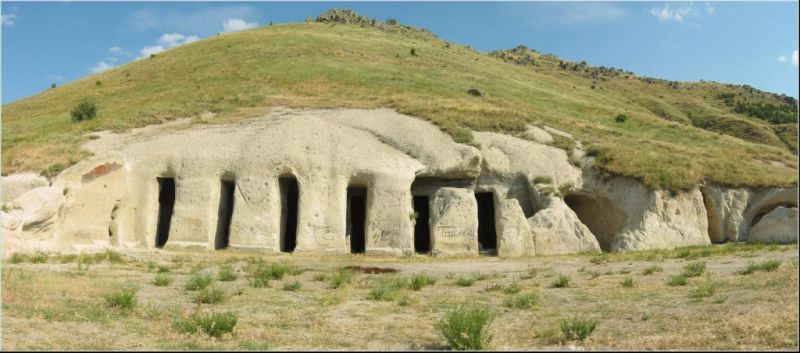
point(240, 75)
point(56, 305)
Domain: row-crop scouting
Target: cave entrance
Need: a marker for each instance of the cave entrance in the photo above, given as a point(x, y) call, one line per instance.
point(600, 215)
point(166, 204)
point(225, 213)
point(422, 232)
point(289, 200)
point(487, 234)
point(357, 218)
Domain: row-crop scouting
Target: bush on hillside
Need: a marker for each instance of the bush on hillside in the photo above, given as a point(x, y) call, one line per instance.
point(85, 110)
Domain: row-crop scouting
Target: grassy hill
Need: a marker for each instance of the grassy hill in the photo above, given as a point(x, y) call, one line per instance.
point(674, 135)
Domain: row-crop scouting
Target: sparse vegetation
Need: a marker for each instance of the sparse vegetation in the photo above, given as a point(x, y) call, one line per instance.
point(341, 277)
point(226, 274)
point(677, 280)
point(694, 269)
point(628, 282)
point(577, 328)
point(561, 282)
point(767, 266)
point(292, 286)
point(212, 324)
point(199, 281)
point(387, 289)
point(124, 298)
point(651, 270)
point(521, 301)
point(465, 281)
point(421, 280)
point(209, 295)
point(162, 280)
point(466, 327)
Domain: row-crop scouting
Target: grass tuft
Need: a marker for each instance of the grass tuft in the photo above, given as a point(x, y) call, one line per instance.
point(124, 298)
point(421, 280)
point(162, 280)
point(212, 324)
point(466, 327)
point(561, 282)
point(199, 281)
point(577, 329)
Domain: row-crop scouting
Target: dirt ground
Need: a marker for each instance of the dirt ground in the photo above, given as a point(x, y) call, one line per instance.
point(60, 303)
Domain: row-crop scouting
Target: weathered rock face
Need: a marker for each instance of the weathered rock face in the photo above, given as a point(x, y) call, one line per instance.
point(776, 227)
point(15, 185)
point(369, 181)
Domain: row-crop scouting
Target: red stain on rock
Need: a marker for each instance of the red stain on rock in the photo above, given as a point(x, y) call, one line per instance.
point(98, 171)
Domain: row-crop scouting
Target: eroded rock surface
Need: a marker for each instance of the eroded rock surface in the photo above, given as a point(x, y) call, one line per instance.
point(356, 177)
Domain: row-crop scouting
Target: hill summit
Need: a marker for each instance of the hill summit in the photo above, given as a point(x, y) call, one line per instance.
point(666, 134)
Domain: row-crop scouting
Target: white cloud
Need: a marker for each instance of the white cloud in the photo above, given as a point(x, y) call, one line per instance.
point(100, 67)
point(167, 41)
point(8, 20)
point(235, 24)
point(789, 59)
point(171, 40)
point(147, 51)
point(204, 21)
point(55, 78)
point(116, 50)
point(709, 9)
point(678, 14)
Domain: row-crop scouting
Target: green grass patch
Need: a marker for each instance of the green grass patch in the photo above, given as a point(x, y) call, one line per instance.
point(577, 328)
point(466, 327)
point(649, 270)
point(694, 269)
point(226, 274)
point(628, 283)
point(421, 280)
point(342, 277)
point(677, 281)
point(465, 281)
point(209, 295)
point(162, 280)
point(212, 324)
point(123, 298)
point(387, 289)
point(521, 301)
point(767, 266)
point(199, 281)
point(292, 286)
point(561, 282)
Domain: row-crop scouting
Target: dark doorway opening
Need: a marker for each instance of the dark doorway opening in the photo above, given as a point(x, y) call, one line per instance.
point(166, 203)
point(422, 232)
point(224, 214)
point(289, 200)
point(357, 218)
point(487, 235)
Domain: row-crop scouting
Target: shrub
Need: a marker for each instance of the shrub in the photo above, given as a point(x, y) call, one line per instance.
point(124, 298)
point(98, 83)
point(163, 269)
point(599, 259)
point(85, 110)
point(465, 327)
point(465, 282)
point(628, 282)
point(391, 21)
point(212, 324)
point(277, 270)
point(199, 281)
point(342, 277)
point(770, 265)
point(16, 258)
point(705, 289)
point(514, 288)
point(694, 269)
point(162, 280)
point(577, 328)
point(677, 280)
point(522, 301)
point(561, 282)
point(292, 286)
point(387, 289)
point(413, 52)
point(226, 274)
point(621, 118)
point(210, 295)
point(651, 269)
point(320, 277)
point(421, 280)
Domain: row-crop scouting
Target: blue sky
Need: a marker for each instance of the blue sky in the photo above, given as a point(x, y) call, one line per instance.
point(733, 42)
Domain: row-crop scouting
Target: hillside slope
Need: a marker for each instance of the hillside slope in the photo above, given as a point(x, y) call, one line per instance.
point(674, 135)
